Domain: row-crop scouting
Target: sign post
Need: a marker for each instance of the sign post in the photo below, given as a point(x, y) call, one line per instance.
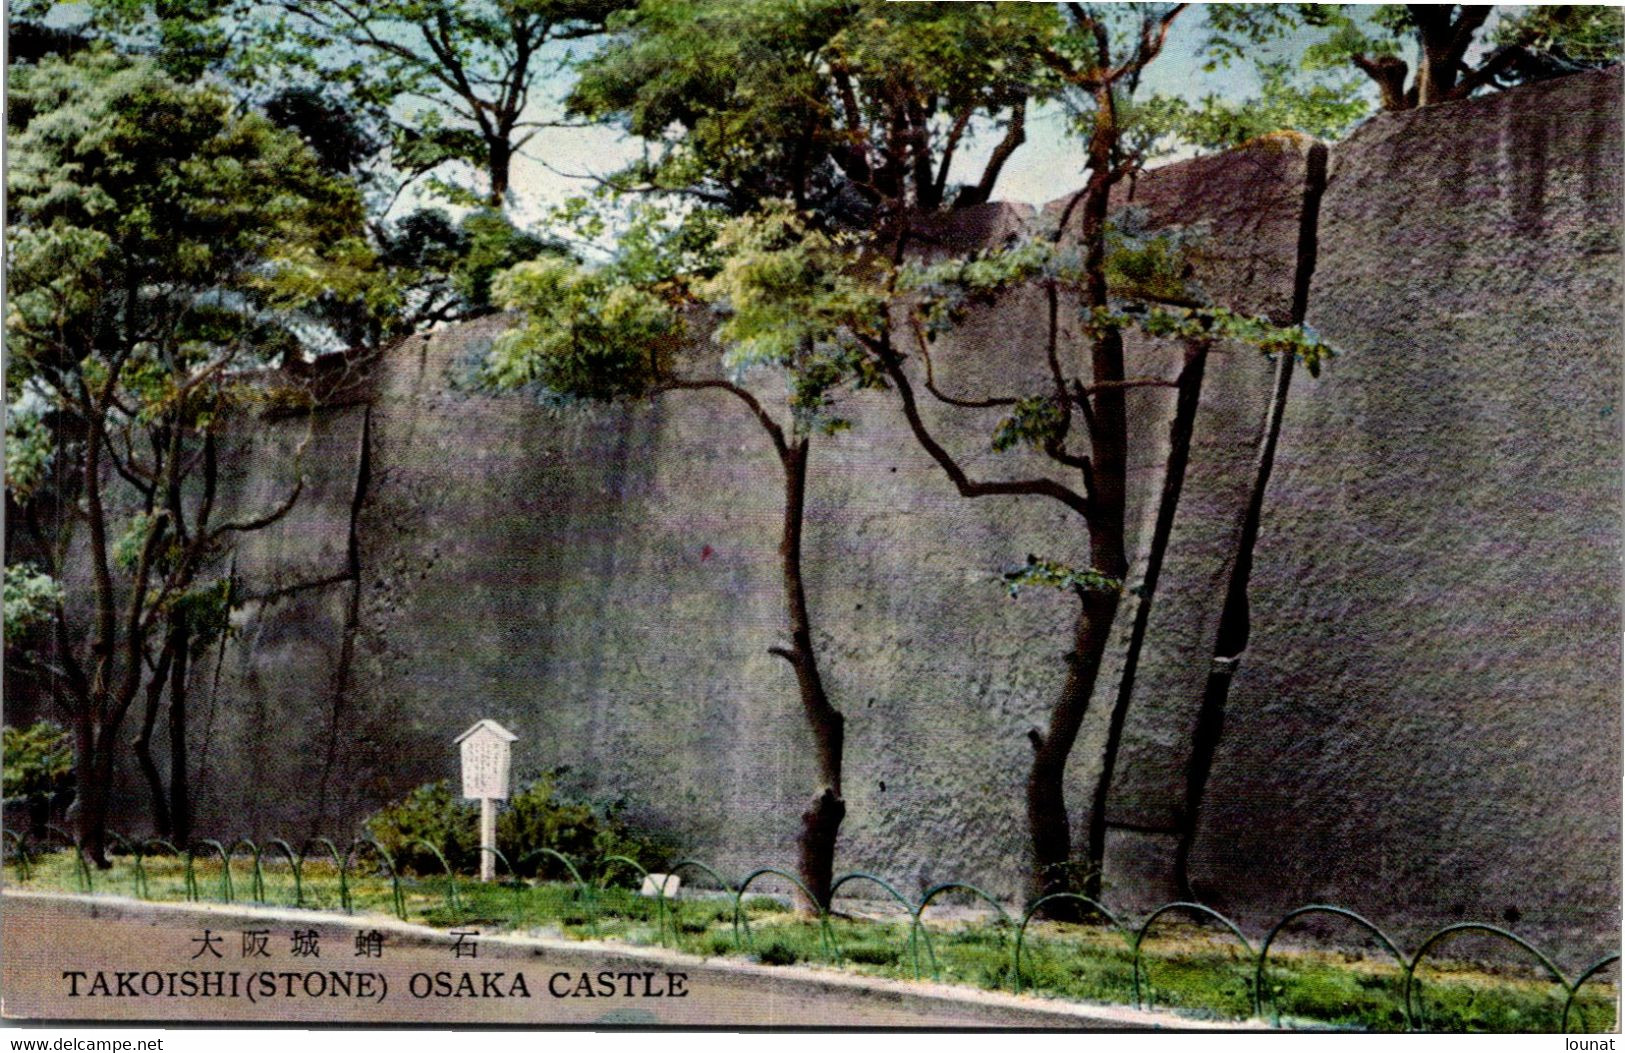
point(485, 753)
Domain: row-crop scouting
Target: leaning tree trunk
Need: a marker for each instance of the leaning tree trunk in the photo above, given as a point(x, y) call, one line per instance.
point(180, 790)
point(1108, 479)
point(142, 743)
point(1046, 781)
point(821, 823)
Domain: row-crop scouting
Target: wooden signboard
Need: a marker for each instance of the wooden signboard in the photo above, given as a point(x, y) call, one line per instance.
point(486, 750)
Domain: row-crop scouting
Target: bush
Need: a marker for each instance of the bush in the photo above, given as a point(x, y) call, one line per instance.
point(36, 771)
point(777, 953)
point(429, 813)
point(536, 817)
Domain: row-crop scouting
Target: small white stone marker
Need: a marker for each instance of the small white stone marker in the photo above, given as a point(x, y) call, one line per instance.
point(657, 885)
point(485, 749)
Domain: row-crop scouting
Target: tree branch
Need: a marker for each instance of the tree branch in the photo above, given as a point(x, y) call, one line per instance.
point(1015, 133)
point(771, 426)
point(968, 487)
point(930, 376)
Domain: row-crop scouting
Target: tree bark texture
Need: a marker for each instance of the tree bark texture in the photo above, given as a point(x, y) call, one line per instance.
point(821, 823)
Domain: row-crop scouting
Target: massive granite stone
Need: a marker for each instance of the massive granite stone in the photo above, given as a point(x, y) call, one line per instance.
point(1427, 724)
point(1425, 727)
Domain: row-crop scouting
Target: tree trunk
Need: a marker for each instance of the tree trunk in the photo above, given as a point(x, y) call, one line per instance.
point(1108, 488)
point(180, 791)
point(95, 773)
point(821, 823)
point(142, 743)
point(1179, 448)
point(1445, 36)
point(499, 164)
point(1389, 73)
point(1046, 781)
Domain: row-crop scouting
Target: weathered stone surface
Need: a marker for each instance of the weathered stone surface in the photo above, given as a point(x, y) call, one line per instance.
point(309, 544)
point(1247, 208)
point(1426, 725)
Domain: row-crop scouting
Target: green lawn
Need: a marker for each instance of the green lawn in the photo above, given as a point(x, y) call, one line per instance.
point(1185, 967)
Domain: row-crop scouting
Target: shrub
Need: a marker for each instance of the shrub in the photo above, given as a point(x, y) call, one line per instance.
point(429, 813)
point(38, 762)
point(538, 816)
point(777, 953)
point(872, 954)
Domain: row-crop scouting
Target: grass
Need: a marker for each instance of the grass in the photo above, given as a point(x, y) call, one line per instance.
point(1185, 967)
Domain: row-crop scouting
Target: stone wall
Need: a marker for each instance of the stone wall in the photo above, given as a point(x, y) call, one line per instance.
point(1427, 724)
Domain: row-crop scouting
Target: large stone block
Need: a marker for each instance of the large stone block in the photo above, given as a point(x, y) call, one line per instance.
point(1427, 725)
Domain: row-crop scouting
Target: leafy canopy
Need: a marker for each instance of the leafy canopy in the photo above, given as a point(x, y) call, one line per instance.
point(160, 244)
point(152, 226)
point(39, 760)
point(840, 107)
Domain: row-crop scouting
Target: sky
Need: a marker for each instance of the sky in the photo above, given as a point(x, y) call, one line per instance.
point(560, 163)
point(1048, 165)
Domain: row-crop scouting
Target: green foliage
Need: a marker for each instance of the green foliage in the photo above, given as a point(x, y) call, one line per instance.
point(28, 451)
point(36, 761)
point(800, 300)
point(799, 99)
point(429, 813)
point(947, 289)
point(30, 599)
point(1330, 34)
point(538, 816)
point(1550, 40)
point(1036, 421)
point(1140, 264)
point(492, 244)
point(128, 547)
point(1219, 324)
point(206, 612)
point(1327, 107)
point(777, 952)
point(450, 80)
point(583, 333)
point(1050, 574)
point(1563, 38)
point(183, 38)
point(788, 289)
point(1151, 265)
point(134, 201)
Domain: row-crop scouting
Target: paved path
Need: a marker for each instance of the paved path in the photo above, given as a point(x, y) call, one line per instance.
point(138, 961)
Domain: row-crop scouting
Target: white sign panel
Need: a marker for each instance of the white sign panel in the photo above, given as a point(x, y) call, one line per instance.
point(485, 752)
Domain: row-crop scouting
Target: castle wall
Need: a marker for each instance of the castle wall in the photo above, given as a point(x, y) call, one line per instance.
point(1425, 727)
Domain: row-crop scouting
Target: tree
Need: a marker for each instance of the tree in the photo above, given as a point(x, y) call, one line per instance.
point(1321, 106)
point(1115, 279)
point(820, 104)
point(455, 77)
point(1529, 44)
point(856, 110)
point(159, 245)
point(617, 334)
point(445, 80)
point(386, 95)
